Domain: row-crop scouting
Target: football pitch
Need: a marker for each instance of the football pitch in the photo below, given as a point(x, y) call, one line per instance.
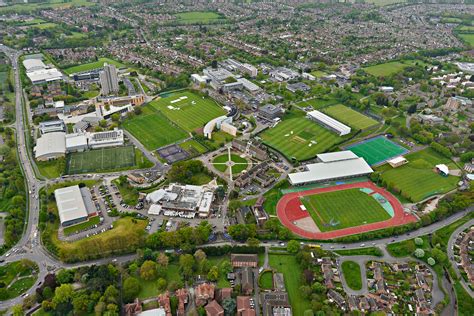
point(300, 138)
point(154, 130)
point(376, 150)
point(188, 110)
point(417, 180)
point(92, 66)
point(100, 160)
point(350, 117)
point(385, 69)
point(345, 208)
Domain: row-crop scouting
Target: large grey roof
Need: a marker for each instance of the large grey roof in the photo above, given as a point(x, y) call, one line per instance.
point(70, 203)
point(337, 155)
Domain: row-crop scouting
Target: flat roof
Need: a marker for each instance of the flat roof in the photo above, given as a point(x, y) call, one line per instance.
point(397, 160)
point(337, 155)
point(44, 75)
point(331, 170)
point(33, 64)
point(70, 203)
point(50, 143)
point(74, 140)
point(329, 121)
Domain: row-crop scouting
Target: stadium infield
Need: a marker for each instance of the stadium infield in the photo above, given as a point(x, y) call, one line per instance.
point(377, 150)
point(101, 160)
point(290, 214)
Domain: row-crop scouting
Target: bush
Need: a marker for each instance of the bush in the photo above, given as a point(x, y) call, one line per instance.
point(418, 241)
point(431, 261)
point(419, 253)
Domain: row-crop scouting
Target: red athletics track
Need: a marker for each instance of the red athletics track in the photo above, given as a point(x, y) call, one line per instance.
point(288, 210)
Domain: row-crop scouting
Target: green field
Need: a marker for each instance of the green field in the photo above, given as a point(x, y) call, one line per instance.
point(385, 2)
point(190, 113)
point(376, 150)
point(241, 163)
point(101, 160)
point(385, 69)
point(350, 117)
point(43, 26)
point(293, 137)
point(266, 280)
point(17, 277)
point(154, 130)
point(467, 38)
point(92, 66)
point(193, 147)
point(198, 17)
point(417, 180)
point(29, 7)
point(344, 208)
point(75, 228)
point(292, 273)
point(317, 103)
point(352, 275)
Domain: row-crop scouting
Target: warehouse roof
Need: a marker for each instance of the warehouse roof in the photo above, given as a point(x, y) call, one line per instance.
point(44, 75)
point(33, 64)
point(325, 171)
point(70, 203)
point(50, 143)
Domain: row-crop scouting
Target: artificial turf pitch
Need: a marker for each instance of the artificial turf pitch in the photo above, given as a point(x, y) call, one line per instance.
point(377, 150)
point(104, 159)
point(345, 208)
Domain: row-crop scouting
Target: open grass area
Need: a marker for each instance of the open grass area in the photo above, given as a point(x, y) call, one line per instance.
point(193, 147)
point(92, 66)
point(317, 103)
point(101, 160)
point(417, 179)
point(128, 193)
point(51, 169)
point(18, 276)
point(43, 26)
point(292, 273)
point(219, 163)
point(376, 150)
point(154, 130)
point(350, 117)
point(352, 274)
point(198, 17)
point(385, 69)
point(188, 110)
point(81, 226)
point(29, 7)
point(265, 280)
point(369, 251)
point(465, 301)
point(217, 261)
point(467, 38)
point(150, 288)
point(344, 208)
point(300, 138)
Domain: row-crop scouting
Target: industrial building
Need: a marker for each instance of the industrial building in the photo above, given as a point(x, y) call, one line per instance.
point(71, 202)
point(50, 146)
point(182, 200)
point(329, 122)
point(52, 126)
point(39, 73)
point(332, 166)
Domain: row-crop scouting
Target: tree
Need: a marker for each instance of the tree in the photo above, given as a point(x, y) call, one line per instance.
point(213, 274)
point(115, 117)
point(431, 261)
point(229, 305)
point(81, 303)
point(131, 288)
point(440, 256)
point(65, 276)
point(161, 283)
point(17, 310)
point(199, 255)
point(419, 253)
point(253, 242)
point(62, 294)
point(226, 267)
point(418, 241)
point(293, 246)
point(111, 295)
point(186, 264)
point(148, 270)
point(162, 260)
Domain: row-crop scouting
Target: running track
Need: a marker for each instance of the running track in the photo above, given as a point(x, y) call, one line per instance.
point(288, 210)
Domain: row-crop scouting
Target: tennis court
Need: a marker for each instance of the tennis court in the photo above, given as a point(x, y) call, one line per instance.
point(376, 150)
point(100, 160)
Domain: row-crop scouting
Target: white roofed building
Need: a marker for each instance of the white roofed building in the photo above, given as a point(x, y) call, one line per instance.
point(71, 206)
point(329, 122)
point(50, 146)
point(106, 139)
point(76, 142)
point(332, 166)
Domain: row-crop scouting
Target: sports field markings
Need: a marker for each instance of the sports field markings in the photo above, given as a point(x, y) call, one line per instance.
point(377, 150)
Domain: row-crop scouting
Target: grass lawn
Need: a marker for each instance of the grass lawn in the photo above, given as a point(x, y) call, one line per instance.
point(154, 130)
point(274, 195)
point(385, 69)
point(101, 160)
point(217, 261)
point(300, 138)
point(81, 226)
point(29, 7)
point(51, 169)
point(266, 280)
point(219, 163)
point(465, 301)
point(344, 208)
point(292, 272)
point(43, 26)
point(150, 288)
point(376, 150)
point(18, 277)
point(128, 193)
point(92, 66)
point(188, 110)
point(352, 274)
point(350, 117)
point(198, 17)
point(317, 103)
point(467, 38)
point(193, 147)
point(417, 180)
point(369, 251)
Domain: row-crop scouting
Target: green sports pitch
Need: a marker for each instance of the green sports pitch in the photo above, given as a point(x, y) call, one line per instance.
point(342, 209)
point(188, 110)
point(350, 117)
point(299, 138)
point(153, 129)
point(101, 160)
point(377, 150)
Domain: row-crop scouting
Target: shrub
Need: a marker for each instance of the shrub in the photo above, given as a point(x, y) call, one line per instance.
point(419, 253)
point(431, 261)
point(418, 241)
